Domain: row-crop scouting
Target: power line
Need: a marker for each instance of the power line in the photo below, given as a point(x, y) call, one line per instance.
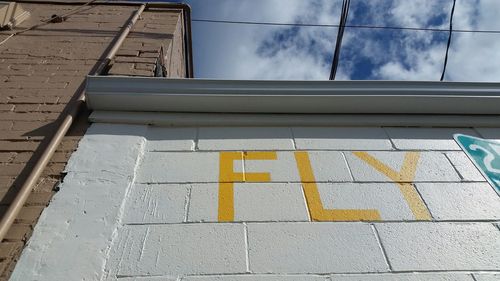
point(347, 25)
point(340, 34)
point(53, 19)
point(449, 40)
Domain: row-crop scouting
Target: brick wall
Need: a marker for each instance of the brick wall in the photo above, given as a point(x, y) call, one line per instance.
point(40, 71)
point(140, 51)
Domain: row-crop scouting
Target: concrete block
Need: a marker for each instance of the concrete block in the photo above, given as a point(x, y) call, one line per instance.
point(283, 169)
point(108, 147)
point(245, 138)
point(440, 246)
point(252, 202)
point(386, 198)
point(170, 139)
point(256, 277)
point(341, 138)
point(487, 277)
point(313, 248)
point(426, 138)
point(464, 166)
point(461, 201)
point(489, 133)
point(405, 277)
point(179, 249)
point(431, 167)
point(327, 166)
point(156, 203)
point(203, 203)
point(182, 167)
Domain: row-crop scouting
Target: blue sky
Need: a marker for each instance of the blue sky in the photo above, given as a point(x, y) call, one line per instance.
point(228, 51)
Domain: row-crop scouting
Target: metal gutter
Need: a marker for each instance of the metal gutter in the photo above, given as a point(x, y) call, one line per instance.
point(115, 93)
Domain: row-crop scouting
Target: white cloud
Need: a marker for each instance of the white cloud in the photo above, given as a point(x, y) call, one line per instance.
point(267, 52)
point(270, 52)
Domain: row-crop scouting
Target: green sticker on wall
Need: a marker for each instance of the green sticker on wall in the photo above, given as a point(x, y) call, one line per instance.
point(485, 154)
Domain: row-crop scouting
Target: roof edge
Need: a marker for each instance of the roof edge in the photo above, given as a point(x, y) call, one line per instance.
point(121, 93)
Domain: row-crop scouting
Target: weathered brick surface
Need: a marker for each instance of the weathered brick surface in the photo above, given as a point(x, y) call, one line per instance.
point(40, 71)
point(157, 30)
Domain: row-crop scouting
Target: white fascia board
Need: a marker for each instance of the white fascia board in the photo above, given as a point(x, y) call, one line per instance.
point(174, 119)
point(147, 94)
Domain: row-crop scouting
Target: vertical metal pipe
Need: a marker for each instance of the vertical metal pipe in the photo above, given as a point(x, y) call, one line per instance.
point(71, 114)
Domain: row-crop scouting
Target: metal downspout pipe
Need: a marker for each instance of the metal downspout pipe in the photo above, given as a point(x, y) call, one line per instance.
point(70, 116)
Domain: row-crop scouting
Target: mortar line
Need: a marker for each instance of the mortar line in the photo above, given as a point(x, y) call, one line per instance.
point(308, 221)
point(187, 203)
point(305, 202)
point(379, 241)
point(328, 275)
point(196, 139)
point(454, 168)
point(393, 145)
point(293, 138)
point(298, 182)
point(347, 165)
point(247, 254)
point(423, 201)
point(304, 149)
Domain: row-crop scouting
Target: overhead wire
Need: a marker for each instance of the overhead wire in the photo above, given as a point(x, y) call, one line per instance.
point(449, 41)
point(340, 34)
point(55, 18)
point(347, 25)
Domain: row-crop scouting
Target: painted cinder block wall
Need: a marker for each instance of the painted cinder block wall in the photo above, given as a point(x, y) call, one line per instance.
point(43, 69)
point(269, 203)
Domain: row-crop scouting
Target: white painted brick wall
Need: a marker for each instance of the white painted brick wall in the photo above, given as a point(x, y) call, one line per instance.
point(313, 248)
point(383, 197)
point(142, 203)
point(181, 167)
point(461, 201)
point(245, 138)
point(73, 236)
point(156, 203)
point(432, 167)
point(440, 246)
point(170, 139)
point(256, 277)
point(487, 277)
point(465, 168)
point(405, 277)
point(253, 202)
point(180, 249)
point(340, 138)
point(426, 138)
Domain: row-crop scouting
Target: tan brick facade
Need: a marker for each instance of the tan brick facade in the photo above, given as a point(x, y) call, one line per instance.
point(43, 69)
